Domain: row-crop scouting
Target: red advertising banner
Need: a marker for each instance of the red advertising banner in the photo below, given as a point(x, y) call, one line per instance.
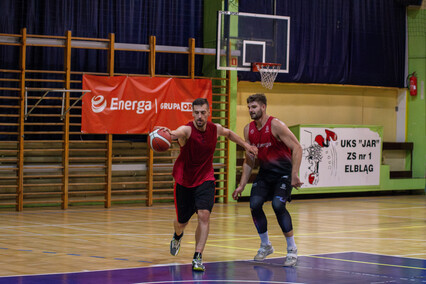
point(123, 105)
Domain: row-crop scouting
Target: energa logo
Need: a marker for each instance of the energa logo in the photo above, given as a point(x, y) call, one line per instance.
point(98, 103)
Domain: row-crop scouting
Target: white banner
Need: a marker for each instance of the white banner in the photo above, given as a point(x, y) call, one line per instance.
point(340, 157)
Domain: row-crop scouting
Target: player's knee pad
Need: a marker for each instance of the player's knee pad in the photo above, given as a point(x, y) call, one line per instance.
point(256, 203)
point(283, 216)
point(259, 218)
point(279, 205)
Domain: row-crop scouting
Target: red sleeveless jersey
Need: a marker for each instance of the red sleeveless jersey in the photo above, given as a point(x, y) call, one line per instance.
point(195, 162)
point(273, 154)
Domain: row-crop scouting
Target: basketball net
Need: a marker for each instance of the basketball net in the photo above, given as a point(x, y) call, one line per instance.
point(268, 73)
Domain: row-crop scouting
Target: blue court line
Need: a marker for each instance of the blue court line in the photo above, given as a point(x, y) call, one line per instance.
point(96, 256)
point(25, 250)
point(120, 258)
point(51, 252)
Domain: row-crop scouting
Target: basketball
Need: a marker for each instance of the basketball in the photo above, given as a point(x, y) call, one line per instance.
point(159, 140)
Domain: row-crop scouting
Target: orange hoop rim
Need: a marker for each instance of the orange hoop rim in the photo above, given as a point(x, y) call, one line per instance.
point(254, 65)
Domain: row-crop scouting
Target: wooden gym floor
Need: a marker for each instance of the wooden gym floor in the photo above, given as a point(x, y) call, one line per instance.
point(376, 239)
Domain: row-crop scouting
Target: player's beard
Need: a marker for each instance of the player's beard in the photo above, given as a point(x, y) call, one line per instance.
point(256, 115)
point(200, 123)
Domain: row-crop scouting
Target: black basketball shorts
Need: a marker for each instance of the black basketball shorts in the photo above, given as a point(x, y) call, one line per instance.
point(272, 186)
point(190, 199)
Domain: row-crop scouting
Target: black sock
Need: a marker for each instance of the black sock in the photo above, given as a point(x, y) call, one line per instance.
point(176, 237)
point(197, 255)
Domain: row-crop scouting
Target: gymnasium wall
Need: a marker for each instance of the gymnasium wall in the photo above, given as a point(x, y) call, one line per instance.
point(45, 160)
point(416, 105)
point(336, 104)
point(323, 104)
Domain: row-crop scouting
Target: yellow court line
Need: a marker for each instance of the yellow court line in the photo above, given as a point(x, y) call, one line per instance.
point(235, 248)
point(366, 262)
point(320, 233)
point(365, 230)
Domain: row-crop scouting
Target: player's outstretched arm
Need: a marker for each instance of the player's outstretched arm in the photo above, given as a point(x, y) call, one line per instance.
point(283, 133)
point(231, 135)
point(181, 134)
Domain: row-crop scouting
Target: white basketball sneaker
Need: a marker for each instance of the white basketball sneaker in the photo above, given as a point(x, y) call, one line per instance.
point(263, 252)
point(291, 258)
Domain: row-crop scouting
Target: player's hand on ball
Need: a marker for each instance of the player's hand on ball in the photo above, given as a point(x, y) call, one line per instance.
point(159, 140)
point(163, 128)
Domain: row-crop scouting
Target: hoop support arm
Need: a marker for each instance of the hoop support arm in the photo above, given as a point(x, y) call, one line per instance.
point(64, 113)
point(47, 91)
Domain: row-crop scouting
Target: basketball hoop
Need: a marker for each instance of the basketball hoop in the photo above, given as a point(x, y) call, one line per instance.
point(268, 72)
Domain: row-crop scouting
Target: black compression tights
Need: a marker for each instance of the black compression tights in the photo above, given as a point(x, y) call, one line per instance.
point(259, 218)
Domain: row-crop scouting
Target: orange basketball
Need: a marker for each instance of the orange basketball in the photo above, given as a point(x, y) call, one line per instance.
point(159, 140)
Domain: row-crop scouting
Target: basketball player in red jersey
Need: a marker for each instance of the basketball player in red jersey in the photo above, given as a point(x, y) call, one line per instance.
point(194, 176)
point(280, 155)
